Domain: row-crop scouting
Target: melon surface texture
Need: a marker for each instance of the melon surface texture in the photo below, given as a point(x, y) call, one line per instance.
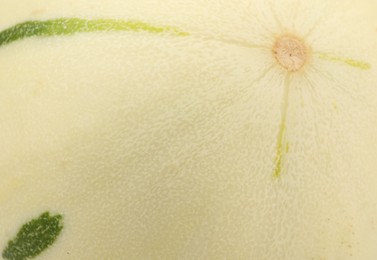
point(196, 129)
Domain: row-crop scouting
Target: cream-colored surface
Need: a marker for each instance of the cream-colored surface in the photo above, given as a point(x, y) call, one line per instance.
point(161, 147)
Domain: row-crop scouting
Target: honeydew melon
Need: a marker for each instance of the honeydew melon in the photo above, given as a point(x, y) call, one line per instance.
point(188, 130)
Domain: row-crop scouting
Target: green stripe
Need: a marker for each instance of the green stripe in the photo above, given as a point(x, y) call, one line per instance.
point(351, 62)
point(69, 26)
point(282, 145)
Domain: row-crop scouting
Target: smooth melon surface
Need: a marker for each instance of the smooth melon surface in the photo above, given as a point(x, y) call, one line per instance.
point(196, 145)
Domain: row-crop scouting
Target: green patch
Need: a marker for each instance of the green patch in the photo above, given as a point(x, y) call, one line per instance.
point(351, 62)
point(69, 26)
point(34, 237)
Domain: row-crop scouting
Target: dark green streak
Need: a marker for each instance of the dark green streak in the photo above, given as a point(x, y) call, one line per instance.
point(69, 26)
point(34, 237)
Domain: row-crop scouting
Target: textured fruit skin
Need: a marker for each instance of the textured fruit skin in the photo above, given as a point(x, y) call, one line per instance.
point(164, 147)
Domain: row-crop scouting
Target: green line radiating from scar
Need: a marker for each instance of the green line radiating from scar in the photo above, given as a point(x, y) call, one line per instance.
point(69, 26)
point(282, 143)
point(351, 62)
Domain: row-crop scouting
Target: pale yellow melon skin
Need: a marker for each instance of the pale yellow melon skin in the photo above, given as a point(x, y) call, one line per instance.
point(164, 147)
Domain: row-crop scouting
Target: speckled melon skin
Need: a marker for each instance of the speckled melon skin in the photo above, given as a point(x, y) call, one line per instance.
point(153, 146)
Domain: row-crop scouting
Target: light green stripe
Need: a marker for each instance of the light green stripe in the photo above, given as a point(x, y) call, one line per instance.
point(280, 151)
point(69, 26)
point(354, 63)
point(282, 144)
